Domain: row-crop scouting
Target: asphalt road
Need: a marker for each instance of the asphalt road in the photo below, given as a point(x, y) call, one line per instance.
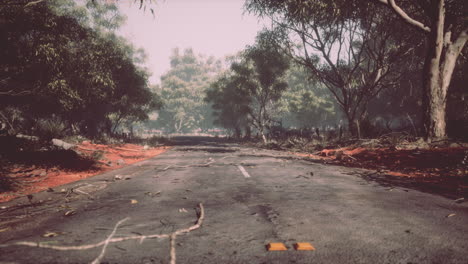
point(250, 197)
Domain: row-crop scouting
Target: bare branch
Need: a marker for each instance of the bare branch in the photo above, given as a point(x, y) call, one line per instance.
point(112, 239)
point(33, 3)
point(460, 41)
point(405, 16)
point(12, 93)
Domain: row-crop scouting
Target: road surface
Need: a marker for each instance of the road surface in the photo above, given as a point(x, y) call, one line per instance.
point(250, 197)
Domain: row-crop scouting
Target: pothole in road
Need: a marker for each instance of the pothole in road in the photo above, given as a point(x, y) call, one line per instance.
point(266, 212)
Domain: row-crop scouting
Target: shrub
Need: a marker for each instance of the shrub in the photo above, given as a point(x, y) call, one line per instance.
point(47, 129)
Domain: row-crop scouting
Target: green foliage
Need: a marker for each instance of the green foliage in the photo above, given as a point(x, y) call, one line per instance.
point(63, 60)
point(230, 105)
point(296, 11)
point(250, 91)
point(49, 128)
point(349, 46)
point(97, 155)
point(182, 90)
point(387, 37)
point(307, 103)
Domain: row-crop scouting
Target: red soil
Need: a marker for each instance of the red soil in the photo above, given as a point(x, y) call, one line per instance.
point(444, 168)
point(33, 179)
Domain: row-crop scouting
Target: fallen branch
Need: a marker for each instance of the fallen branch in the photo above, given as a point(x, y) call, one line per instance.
point(93, 150)
point(126, 149)
point(168, 167)
point(225, 157)
point(103, 251)
point(62, 144)
point(85, 193)
point(31, 138)
point(33, 181)
point(111, 239)
point(189, 166)
point(203, 165)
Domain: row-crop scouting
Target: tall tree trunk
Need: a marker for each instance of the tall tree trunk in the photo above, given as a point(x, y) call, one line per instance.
point(132, 134)
point(248, 132)
point(352, 127)
point(358, 128)
point(116, 124)
point(178, 126)
point(442, 59)
point(262, 132)
point(237, 132)
point(91, 129)
point(264, 137)
point(439, 64)
point(437, 96)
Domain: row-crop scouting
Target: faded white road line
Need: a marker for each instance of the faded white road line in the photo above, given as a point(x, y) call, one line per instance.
point(244, 172)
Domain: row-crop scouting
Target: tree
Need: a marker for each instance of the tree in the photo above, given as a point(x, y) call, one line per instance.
point(446, 28)
point(258, 77)
point(354, 58)
point(183, 90)
point(263, 73)
point(230, 105)
point(457, 101)
point(306, 103)
point(399, 108)
point(60, 65)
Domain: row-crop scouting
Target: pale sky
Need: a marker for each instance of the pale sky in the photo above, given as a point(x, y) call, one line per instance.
point(210, 27)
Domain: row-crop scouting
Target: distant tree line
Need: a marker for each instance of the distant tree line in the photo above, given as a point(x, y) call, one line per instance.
point(365, 68)
point(182, 90)
point(265, 92)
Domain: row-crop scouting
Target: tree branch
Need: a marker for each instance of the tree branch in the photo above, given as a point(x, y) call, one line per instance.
point(33, 3)
point(460, 41)
point(405, 16)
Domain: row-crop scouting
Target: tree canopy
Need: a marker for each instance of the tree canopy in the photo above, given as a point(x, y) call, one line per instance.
point(353, 55)
point(63, 61)
point(183, 88)
point(257, 77)
point(379, 41)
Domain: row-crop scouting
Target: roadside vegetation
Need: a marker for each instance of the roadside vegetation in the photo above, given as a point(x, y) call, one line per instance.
point(368, 84)
point(66, 75)
point(329, 80)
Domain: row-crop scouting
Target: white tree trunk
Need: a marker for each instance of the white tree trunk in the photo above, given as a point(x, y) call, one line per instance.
point(443, 56)
point(437, 96)
point(264, 137)
point(440, 73)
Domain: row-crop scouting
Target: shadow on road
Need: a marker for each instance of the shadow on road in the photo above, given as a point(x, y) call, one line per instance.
point(449, 187)
point(204, 144)
point(210, 150)
point(201, 141)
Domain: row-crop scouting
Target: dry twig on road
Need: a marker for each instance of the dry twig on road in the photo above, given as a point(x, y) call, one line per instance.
point(111, 239)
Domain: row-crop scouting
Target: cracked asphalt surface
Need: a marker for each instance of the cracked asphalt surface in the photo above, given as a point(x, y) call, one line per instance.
point(282, 198)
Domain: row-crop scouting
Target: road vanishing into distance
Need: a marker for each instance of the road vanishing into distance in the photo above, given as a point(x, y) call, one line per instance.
point(249, 197)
